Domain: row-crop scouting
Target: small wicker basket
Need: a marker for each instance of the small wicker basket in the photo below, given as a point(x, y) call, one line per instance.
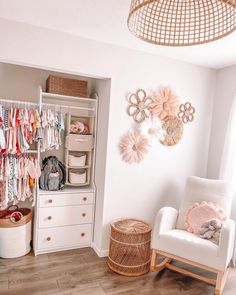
point(130, 242)
point(65, 86)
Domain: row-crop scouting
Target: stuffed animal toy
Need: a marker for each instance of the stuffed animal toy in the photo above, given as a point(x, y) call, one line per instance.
point(76, 127)
point(210, 230)
point(79, 127)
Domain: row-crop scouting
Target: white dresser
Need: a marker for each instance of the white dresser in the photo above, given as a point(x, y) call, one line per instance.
point(64, 220)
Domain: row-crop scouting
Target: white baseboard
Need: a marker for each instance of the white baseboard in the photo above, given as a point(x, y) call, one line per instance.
point(99, 252)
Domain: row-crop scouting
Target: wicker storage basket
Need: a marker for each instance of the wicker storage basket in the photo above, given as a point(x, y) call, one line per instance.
point(130, 242)
point(65, 86)
point(15, 237)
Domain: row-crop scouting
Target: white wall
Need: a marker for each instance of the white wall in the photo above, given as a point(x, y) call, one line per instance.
point(224, 94)
point(18, 82)
point(102, 87)
point(135, 190)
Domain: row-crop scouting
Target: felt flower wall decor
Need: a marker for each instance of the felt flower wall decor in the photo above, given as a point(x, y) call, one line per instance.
point(139, 107)
point(152, 129)
point(133, 147)
point(173, 130)
point(165, 103)
point(186, 112)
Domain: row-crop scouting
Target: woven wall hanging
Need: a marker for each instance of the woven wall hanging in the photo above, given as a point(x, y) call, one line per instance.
point(182, 22)
point(139, 105)
point(158, 117)
point(173, 130)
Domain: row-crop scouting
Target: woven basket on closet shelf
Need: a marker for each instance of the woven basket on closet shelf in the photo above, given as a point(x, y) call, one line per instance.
point(66, 86)
point(130, 242)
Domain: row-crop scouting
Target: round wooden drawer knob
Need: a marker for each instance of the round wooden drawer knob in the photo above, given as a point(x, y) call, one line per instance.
point(49, 239)
point(84, 214)
point(49, 217)
point(50, 201)
point(82, 234)
point(84, 199)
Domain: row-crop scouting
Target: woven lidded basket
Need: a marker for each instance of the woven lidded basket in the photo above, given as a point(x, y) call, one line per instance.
point(7, 223)
point(15, 237)
point(130, 242)
point(66, 86)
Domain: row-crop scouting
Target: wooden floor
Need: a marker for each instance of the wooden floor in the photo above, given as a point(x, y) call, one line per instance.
point(81, 272)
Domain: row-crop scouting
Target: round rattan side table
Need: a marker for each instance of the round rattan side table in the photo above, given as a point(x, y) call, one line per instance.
point(130, 242)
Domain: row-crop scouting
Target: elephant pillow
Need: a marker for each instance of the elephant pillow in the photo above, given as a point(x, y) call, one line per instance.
point(200, 213)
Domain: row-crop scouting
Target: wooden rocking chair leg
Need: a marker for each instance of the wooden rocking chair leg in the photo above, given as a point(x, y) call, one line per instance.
point(153, 259)
point(158, 267)
point(220, 281)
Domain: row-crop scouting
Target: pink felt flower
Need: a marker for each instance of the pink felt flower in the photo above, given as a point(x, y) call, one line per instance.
point(133, 146)
point(165, 103)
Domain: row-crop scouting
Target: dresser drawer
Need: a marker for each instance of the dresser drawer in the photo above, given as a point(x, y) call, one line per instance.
point(78, 142)
point(68, 215)
point(60, 199)
point(67, 236)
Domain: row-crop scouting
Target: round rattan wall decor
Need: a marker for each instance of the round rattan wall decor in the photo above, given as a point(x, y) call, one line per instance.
point(182, 22)
point(173, 130)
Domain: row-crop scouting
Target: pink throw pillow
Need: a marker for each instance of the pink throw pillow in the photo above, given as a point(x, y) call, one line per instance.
point(200, 213)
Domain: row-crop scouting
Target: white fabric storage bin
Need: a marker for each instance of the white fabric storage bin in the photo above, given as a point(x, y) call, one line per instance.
point(78, 160)
point(79, 142)
point(77, 176)
point(15, 241)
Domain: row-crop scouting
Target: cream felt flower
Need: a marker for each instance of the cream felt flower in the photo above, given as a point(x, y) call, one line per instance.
point(133, 147)
point(165, 103)
point(152, 129)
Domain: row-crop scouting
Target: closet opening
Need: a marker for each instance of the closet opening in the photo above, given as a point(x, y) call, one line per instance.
point(79, 143)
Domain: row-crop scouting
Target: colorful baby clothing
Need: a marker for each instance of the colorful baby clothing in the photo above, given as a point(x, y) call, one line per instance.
point(52, 126)
point(20, 127)
point(18, 176)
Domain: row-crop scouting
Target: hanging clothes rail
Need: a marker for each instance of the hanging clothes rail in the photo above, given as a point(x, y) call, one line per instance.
point(18, 102)
point(31, 152)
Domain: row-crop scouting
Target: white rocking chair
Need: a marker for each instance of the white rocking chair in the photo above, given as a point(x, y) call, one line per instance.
point(171, 241)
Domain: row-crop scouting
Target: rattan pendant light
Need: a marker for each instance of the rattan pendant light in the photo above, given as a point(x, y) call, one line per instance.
point(182, 22)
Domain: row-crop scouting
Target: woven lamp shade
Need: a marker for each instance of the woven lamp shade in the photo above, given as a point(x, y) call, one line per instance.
point(182, 22)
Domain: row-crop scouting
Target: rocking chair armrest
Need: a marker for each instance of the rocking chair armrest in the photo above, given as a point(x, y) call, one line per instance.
point(226, 244)
point(165, 220)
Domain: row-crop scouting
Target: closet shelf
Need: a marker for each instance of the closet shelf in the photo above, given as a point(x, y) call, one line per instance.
point(78, 167)
point(66, 97)
point(70, 190)
point(78, 184)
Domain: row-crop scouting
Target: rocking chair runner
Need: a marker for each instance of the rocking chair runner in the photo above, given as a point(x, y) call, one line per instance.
point(171, 240)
